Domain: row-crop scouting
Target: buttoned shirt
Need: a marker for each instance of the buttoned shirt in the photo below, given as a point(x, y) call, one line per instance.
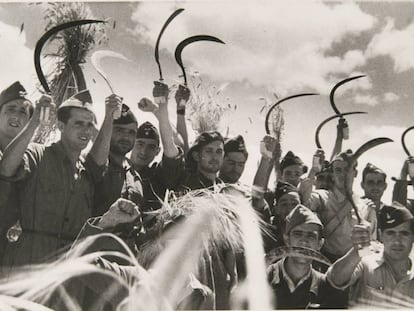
point(312, 290)
point(327, 204)
point(55, 199)
point(372, 276)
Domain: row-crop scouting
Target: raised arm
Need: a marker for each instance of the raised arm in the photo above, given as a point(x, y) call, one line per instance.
point(269, 150)
point(340, 273)
point(181, 97)
point(160, 93)
point(399, 192)
point(100, 148)
point(13, 154)
point(339, 137)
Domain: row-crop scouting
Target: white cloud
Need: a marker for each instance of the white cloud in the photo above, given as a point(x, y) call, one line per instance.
point(17, 59)
point(391, 97)
point(396, 43)
point(366, 100)
point(281, 45)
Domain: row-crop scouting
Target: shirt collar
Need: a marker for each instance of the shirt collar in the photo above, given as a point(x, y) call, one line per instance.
point(281, 268)
point(380, 260)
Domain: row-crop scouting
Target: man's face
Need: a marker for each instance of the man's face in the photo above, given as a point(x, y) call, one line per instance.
point(78, 130)
point(287, 203)
point(14, 115)
point(145, 151)
point(374, 186)
point(291, 174)
point(304, 235)
point(398, 241)
point(123, 138)
point(340, 171)
point(210, 157)
point(233, 166)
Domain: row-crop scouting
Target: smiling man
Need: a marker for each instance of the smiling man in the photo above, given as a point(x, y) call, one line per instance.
point(295, 283)
point(15, 111)
point(120, 179)
point(55, 184)
point(380, 277)
point(204, 160)
point(235, 158)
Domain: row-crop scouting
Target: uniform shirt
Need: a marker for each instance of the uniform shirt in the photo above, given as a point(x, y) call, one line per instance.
point(8, 210)
point(159, 177)
point(312, 291)
point(118, 182)
point(327, 204)
point(399, 194)
point(373, 275)
point(196, 180)
point(55, 199)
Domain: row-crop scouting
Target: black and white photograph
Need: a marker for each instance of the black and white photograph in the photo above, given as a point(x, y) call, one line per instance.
point(206, 155)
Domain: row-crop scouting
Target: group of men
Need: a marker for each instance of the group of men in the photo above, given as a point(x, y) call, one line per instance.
point(54, 191)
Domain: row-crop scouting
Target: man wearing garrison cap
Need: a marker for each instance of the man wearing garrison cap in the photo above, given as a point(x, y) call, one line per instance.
point(204, 160)
point(295, 283)
point(385, 276)
point(336, 211)
point(55, 184)
point(292, 168)
point(235, 157)
point(157, 177)
point(120, 180)
point(15, 111)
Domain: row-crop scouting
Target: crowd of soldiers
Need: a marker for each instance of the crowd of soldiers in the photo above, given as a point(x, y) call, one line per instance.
point(58, 195)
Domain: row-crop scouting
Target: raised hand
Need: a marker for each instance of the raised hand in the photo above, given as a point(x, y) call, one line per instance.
point(121, 212)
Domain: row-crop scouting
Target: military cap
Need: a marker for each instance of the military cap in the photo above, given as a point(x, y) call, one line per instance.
point(81, 99)
point(147, 130)
point(301, 215)
point(282, 188)
point(14, 91)
point(393, 215)
point(235, 144)
point(291, 159)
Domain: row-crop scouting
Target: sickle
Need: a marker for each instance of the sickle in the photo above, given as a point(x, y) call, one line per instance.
point(41, 42)
point(157, 44)
point(279, 102)
point(403, 140)
point(318, 129)
point(188, 41)
point(365, 147)
point(332, 94)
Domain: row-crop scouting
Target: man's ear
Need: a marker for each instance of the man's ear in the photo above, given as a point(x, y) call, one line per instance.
point(158, 150)
point(321, 241)
point(61, 126)
point(286, 239)
point(196, 156)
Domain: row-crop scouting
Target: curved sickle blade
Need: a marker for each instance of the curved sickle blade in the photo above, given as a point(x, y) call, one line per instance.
point(96, 58)
point(278, 103)
point(318, 129)
point(403, 140)
point(43, 39)
point(157, 44)
point(184, 43)
point(365, 147)
point(332, 94)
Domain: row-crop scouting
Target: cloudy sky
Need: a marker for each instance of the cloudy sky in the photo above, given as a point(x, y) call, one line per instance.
point(282, 47)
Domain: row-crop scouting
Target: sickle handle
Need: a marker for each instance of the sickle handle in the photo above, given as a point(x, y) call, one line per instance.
point(279, 102)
